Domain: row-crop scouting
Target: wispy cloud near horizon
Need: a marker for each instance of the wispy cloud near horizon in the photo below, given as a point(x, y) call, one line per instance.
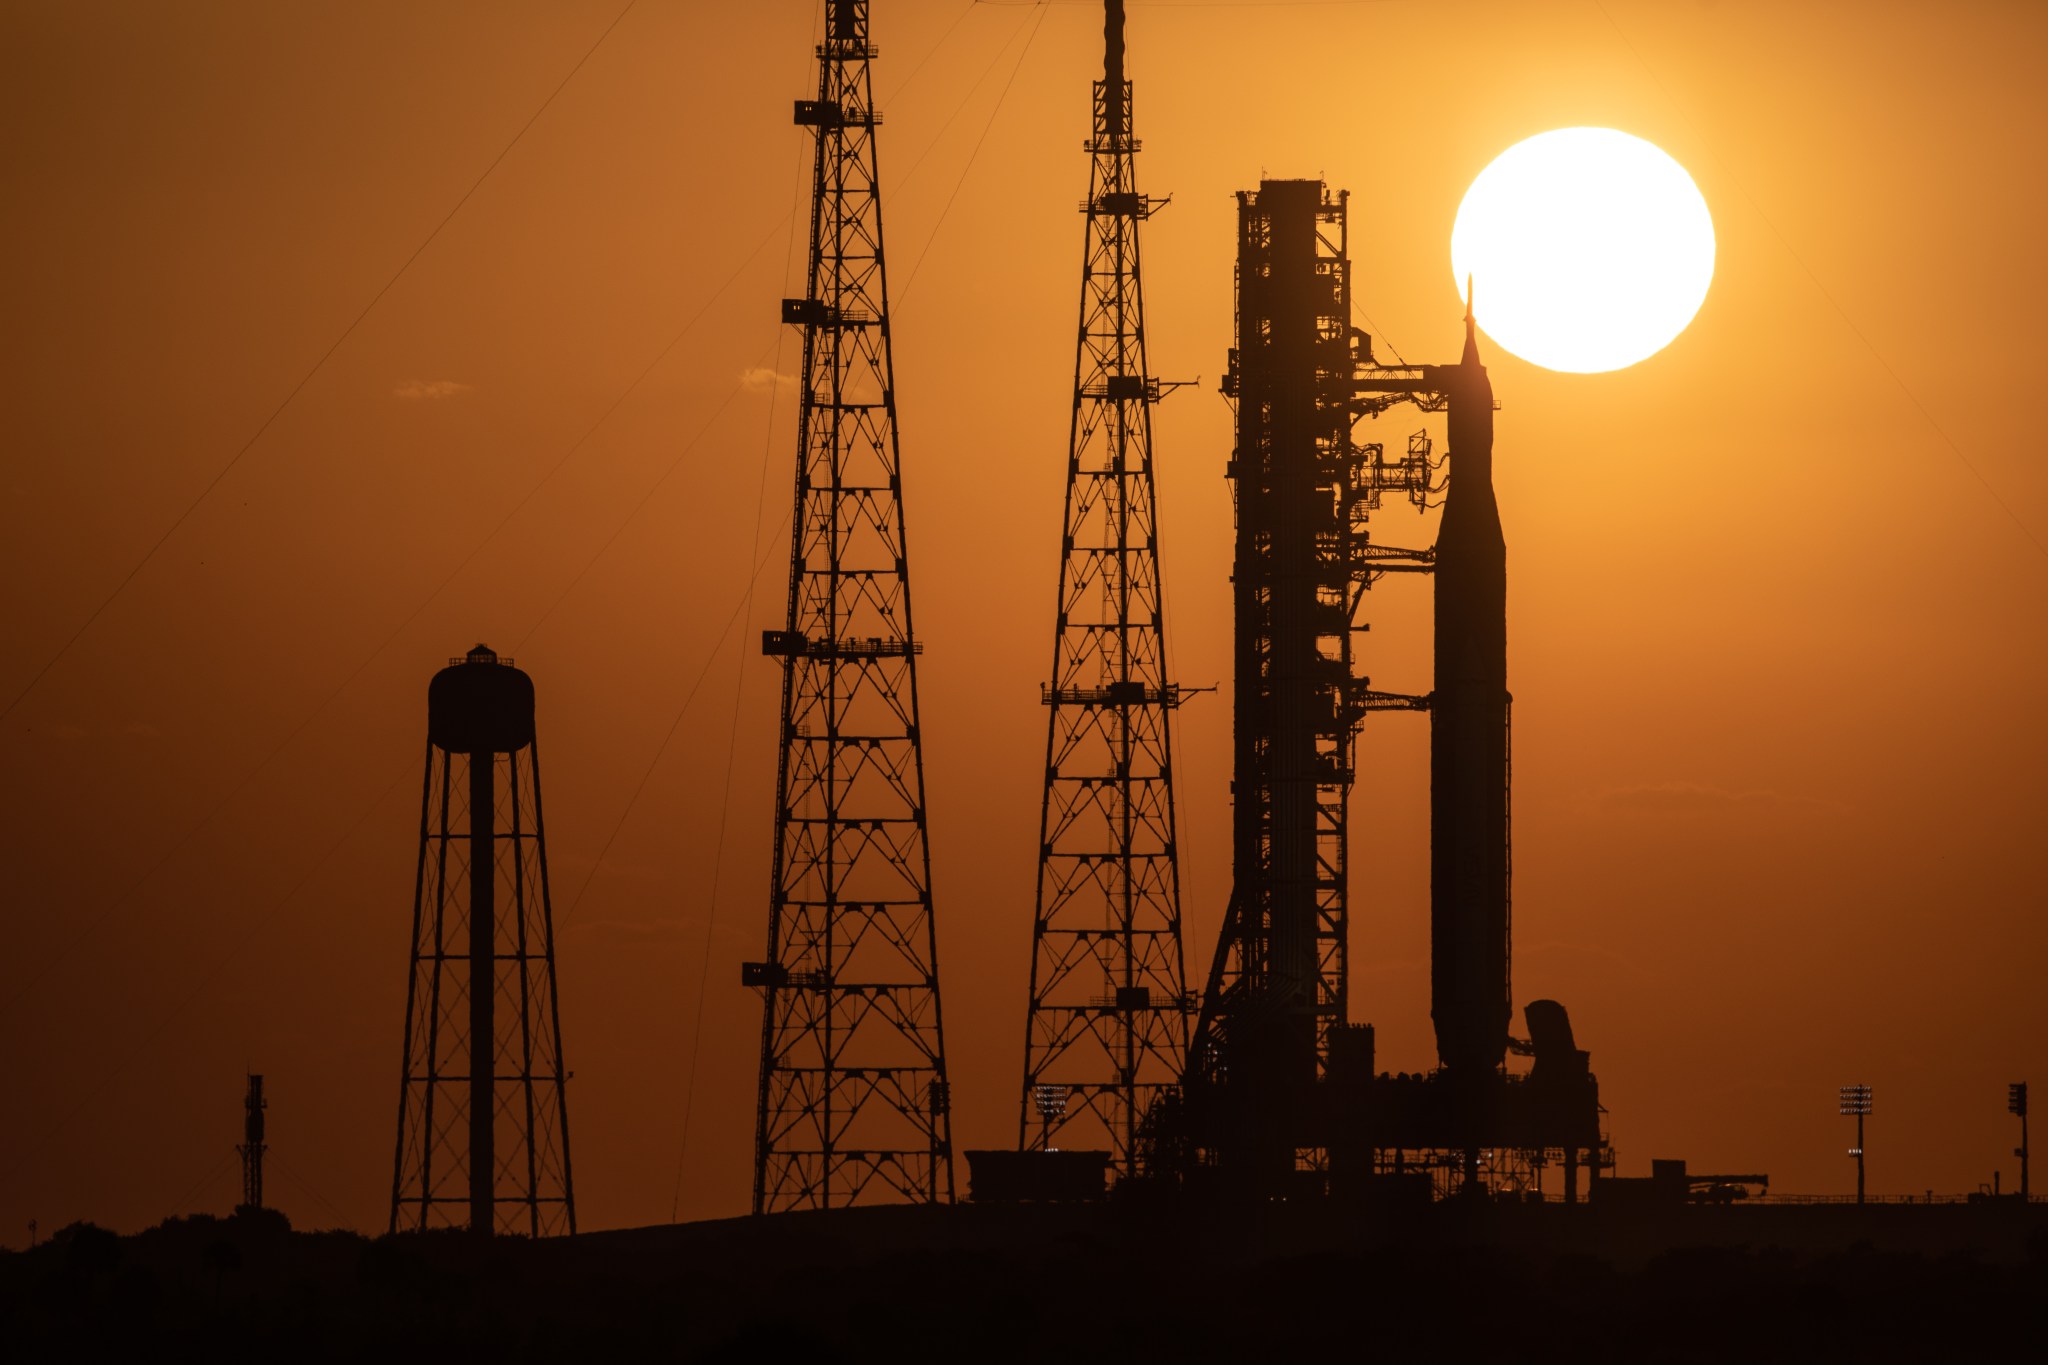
point(413, 389)
point(761, 379)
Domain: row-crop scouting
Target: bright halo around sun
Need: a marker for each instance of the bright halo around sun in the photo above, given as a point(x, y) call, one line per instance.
point(1588, 249)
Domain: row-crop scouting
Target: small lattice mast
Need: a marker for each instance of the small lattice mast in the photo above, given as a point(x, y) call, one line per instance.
point(253, 1146)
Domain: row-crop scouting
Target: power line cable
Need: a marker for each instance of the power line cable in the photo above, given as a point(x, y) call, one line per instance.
point(183, 1205)
point(134, 1050)
point(718, 857)
point(70, 947)
point(221, 804)
point(947, 123)
point(931, 52)
point(318, 365)
point(675, 722)
point(965, 171)
point(740, 677)
point(1189, 4)
point(137, 1050)
point(341, 1219)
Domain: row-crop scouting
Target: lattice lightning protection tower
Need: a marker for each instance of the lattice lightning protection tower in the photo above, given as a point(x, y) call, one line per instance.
point(1107, 1021)
point(853, 1103)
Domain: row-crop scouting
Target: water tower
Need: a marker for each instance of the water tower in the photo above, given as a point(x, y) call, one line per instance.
point(483, 1120)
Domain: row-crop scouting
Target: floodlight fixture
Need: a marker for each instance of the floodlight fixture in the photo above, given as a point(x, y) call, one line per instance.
point(1052, 1107)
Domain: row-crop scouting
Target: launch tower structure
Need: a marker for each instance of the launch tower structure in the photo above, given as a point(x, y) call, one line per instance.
point(853, 1105)
point(483, 1117)
point(1281, 1095)
point(1107, 1021)
point(1274, 1016)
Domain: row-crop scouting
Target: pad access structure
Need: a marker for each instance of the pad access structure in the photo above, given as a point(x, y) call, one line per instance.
point(1282, 1095)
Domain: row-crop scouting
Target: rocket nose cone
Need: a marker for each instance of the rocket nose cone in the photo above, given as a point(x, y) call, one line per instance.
point(1471, 356)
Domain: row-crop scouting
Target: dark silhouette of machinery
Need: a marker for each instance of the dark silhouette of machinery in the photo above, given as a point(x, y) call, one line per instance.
point(1107, 1021)
point(1281, 1092)
point(853, 1103)
point(252, 1146)
point(483, 1120)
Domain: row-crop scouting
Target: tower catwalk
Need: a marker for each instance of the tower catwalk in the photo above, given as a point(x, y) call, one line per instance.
point(483, 1121)
point(1107, 1021)
point(853, 1102)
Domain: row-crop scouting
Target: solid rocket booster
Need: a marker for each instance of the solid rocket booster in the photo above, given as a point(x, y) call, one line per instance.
point(1468, 752)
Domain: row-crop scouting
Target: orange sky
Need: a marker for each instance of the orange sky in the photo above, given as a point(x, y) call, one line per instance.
point(1777, 595)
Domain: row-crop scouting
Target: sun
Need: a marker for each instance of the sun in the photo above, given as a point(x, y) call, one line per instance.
point(1588, 249)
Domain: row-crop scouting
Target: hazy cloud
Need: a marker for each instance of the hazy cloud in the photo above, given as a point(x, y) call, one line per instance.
point(1689, 798)
point(761, 379)
point(430, 388)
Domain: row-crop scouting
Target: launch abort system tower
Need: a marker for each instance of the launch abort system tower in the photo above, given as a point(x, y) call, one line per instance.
point(1106, 1026)
point(853, 1104)
point(483, 1120)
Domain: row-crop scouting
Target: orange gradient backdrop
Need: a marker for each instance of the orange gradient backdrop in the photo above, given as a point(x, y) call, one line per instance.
point(1777, 595)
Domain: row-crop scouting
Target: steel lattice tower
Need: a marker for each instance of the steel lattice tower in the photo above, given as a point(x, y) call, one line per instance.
point(853, 1100)
point(483, 1120)
point(1108, 1014)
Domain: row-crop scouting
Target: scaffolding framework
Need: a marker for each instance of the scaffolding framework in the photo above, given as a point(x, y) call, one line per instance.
point(853, 1104)
point(1304, 557)
point(1277, 1000)
point(1107, 1021)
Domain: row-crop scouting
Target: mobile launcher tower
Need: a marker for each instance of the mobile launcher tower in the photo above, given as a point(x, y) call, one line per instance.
point(1281, 1095)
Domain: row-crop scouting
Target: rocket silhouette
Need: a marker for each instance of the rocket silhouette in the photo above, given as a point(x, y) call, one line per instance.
point(1468, 757)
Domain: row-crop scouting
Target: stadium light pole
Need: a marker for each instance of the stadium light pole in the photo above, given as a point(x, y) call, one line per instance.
point(1052, 1107)
point(1856, 1101)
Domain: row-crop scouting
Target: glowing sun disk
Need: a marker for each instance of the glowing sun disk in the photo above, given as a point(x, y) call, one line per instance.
point(1589, 249)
